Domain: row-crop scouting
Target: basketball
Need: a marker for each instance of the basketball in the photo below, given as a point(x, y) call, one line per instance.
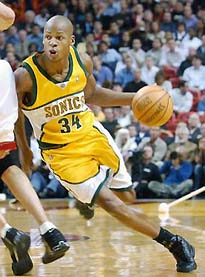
point(152, 106)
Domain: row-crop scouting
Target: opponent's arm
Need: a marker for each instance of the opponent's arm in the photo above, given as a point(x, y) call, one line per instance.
point(7, 17)
point(101, 96)
point(23, 86)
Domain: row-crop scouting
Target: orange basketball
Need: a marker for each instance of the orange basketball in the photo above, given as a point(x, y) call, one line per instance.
point(152, 106)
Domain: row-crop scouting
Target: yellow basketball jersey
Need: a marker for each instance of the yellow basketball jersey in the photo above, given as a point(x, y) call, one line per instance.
point(57, 110)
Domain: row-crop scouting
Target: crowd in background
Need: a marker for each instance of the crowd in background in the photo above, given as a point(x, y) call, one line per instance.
point(132, 44)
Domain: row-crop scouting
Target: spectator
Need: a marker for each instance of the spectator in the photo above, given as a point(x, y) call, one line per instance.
point(160, 80)
point(115, 35)
point(181, 35)
point(156, 51)
point(11, 58)
point(199, 169)
point(90, 49)
point(109, 56)
point(182, 97)
point(201, 106)
point(103, 74)
point(137, 53)
point(122, 63)
point(110, 9)
point(194, 127)
point(200, 28)
point(155, 32)
point(125, 75)
point(27, 24)
point(182, 143)
point(136, 84)
point(36, 37)
point(124, 118)
point(167, 25)
point(194, 75)
point(121, 138)
point(157, 144)
point(143, 132)
point(110, 123)
point(177, 180)
point(98, 31)
point(87, 25)
point(125, 44)
point(42, 17)
point(12, 35)
point(187, 62)
point(201, 50)
point(190, 20)
point(148, 71)
point(193, 40)
point(32, 48)
point(22, 46)
point(172, 57)
point(143, 171)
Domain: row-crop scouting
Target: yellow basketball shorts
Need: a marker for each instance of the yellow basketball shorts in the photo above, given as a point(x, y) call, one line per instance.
point(85, 165)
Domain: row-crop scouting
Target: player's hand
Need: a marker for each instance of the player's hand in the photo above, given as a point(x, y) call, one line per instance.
point(26, 161)
point(3, 153)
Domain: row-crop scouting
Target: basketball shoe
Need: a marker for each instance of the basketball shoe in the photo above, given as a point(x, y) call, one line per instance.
point(56, 245)
point(183, 252)
point(85, 210)
point(18, 244)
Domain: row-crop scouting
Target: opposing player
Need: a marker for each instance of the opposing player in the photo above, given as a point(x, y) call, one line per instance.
point(54, 88)
point(17, 241)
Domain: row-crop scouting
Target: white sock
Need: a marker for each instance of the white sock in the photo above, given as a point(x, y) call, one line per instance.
point(47, 225)
point(4, 230)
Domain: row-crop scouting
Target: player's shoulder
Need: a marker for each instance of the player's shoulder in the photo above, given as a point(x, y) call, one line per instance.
point(23, 80)
point(86, 60)
point(21, 72)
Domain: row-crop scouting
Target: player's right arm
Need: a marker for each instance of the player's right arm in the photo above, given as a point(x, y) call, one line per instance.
point(23, 87)
point(7, 17)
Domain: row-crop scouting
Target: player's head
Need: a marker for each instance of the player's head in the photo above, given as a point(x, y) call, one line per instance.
point(58, 37)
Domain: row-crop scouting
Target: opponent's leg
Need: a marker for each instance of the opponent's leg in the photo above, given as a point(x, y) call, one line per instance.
point(178, 246)
point(55, 243)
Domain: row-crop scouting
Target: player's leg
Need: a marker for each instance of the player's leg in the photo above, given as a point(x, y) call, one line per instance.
point(178, 246)
point(128, 196)
point(18, 244)
point(55, 243)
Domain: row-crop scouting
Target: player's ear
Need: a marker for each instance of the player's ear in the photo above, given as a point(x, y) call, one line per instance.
point(72, 40)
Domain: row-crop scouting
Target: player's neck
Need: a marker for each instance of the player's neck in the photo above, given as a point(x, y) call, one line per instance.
point(52, 68)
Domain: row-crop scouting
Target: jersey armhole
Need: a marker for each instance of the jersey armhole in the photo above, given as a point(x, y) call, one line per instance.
point(34, 90)
point(87, 74)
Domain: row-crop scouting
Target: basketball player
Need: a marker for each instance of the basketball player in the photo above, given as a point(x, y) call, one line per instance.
point(54, 87)
point(17, 241)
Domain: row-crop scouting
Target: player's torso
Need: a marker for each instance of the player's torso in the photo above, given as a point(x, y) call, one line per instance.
point(57, 110)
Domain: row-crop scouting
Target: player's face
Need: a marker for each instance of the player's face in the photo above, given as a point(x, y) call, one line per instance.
point(57, 41)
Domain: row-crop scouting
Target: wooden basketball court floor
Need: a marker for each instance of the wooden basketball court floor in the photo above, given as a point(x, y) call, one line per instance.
point(102, 247)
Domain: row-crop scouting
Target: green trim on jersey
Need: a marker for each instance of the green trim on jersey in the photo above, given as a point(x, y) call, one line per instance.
point(80, 62)
point(123, 189)
point(33, 78)
point(100, 187)
point(35, 61)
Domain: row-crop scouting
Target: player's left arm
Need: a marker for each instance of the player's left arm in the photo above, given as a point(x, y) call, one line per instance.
point(97, 95)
